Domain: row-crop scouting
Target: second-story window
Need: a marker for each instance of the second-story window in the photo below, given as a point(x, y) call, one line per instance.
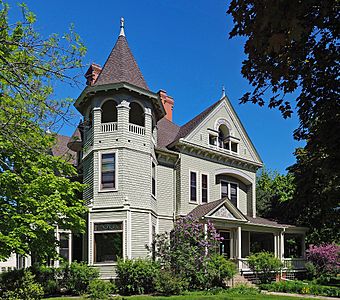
point(193, 186)
point(204, 186)
point(229, 189)
point(108, 171)
point(153, 179)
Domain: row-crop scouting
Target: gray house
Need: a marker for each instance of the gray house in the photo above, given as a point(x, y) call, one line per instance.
point(143, 171)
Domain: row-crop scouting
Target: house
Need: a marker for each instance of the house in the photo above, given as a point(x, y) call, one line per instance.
point(143, 171)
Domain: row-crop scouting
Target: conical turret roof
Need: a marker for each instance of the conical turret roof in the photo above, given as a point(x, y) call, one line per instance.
point(121, 66)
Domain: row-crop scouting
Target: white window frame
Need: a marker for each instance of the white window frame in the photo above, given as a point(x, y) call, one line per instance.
point(68, 232)
point(201, 187)
point(100, 153)
point(197, 186)
point(153, 161)
point(229, 190)
point(123, 221)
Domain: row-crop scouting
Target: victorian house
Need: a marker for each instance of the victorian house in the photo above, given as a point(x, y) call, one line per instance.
point(142, 172)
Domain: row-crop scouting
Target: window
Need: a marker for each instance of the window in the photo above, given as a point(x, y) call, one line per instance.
point(204, 188)
point(229, 189)
point(136, 114)
point(153, 179)
point(108, 171)
point(108, 242)
point(234, 147)
point(64, 247)
point(193, 186)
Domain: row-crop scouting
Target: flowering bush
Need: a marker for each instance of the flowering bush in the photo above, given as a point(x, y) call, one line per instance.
point(187, 250)
point(325, 258)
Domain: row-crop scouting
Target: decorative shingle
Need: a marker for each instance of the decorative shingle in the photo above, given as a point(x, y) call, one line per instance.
point(121, 66)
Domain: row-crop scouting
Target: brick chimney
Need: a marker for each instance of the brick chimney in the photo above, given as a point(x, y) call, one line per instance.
point(92, 74)
point(168, 103)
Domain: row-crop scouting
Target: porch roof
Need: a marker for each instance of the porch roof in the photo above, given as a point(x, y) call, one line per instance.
point(205, 210)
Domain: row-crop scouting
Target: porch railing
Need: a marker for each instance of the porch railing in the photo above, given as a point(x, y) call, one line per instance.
point(109, 127)
point(294, 263)
point(137, 129)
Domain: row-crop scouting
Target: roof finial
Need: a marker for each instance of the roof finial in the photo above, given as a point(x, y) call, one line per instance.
point(122, 33)
point(223, 91)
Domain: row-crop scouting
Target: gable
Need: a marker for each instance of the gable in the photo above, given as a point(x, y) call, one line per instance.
point(224, 213)
point(224, 113)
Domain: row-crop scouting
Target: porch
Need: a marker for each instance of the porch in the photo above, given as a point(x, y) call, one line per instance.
point(241, 241)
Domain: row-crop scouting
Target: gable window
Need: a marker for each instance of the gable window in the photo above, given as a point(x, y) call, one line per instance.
point(153, 179)
point(108, 171)
point(204, 186)
point(230, 190)
point(108, 242)
point(193, 186)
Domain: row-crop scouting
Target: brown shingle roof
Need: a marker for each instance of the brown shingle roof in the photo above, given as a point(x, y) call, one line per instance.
point(121, 66)
point(60, 149)
point(267, 222)
point(193, 123)
point(201, 210)
point(167, 131)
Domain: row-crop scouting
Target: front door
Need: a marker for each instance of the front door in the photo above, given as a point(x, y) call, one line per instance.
point(225, 243)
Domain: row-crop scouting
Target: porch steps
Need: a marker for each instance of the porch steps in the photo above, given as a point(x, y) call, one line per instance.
point(239, 279)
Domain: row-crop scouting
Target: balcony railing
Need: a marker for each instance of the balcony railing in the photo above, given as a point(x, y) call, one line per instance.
point(137, 129)
point(294, 263)
point(109, 127)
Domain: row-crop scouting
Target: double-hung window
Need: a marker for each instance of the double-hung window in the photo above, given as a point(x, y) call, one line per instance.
point(229, 189)
point(193, 186)
point(108, 242)
point(108, 171)
point(204, 187)
point(153, 179)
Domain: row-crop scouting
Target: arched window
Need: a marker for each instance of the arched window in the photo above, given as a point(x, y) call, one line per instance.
point(109, 112)
point(223, 133)
point(136, 114)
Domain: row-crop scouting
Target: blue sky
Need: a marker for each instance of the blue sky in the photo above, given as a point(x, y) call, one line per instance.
point(181, 47)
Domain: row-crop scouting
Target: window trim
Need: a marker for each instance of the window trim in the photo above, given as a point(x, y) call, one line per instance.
point(100, 153)
point(123, 221)
point(201, 188)
point(153, 162)
point(229, 190)
point(197, 187)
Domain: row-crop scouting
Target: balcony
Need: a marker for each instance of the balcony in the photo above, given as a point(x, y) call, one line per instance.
point(109, 127)
point(140, 130)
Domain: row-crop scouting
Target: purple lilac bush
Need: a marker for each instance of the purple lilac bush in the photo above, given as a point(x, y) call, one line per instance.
point(325, 258)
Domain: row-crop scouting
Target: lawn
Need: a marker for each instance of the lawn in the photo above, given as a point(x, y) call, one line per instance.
point(200, 297)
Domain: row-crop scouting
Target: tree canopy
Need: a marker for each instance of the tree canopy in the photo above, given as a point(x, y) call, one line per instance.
point(292, 50)
point(36, 190)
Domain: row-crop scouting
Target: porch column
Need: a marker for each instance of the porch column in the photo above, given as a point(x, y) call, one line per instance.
point(276, 254)
point(303, 246)
point(239, 246)
point(282, 245)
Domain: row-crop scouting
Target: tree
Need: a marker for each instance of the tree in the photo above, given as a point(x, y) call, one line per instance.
point(273, 191)
point(292, 53)
point(36, 190)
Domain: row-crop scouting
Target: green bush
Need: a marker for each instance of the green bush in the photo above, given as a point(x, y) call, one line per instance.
point(48, 277)
point(311, 270)
point(136, 276)
point(77, 277)
point(218, 269)
point(101, 290)
point(302, 288)
point(20, 285)
point(243, 289)
point(265, 265)
point(168, 283)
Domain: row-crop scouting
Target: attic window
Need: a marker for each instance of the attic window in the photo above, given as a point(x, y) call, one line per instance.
point(222, 139)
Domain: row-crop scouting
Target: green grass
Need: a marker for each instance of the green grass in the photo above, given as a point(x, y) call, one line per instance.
point(200, 297)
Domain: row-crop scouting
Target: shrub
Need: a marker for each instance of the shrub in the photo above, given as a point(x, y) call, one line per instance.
point(218, 269)
point(311, 271)
point(20, 285)
point(302, 288)
point(168, 283)
point(243, 289)
point(100, 289)
point(265, 265)
point(325, 258)
point(48, 278)
point(136, 276)
point(77, 277)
